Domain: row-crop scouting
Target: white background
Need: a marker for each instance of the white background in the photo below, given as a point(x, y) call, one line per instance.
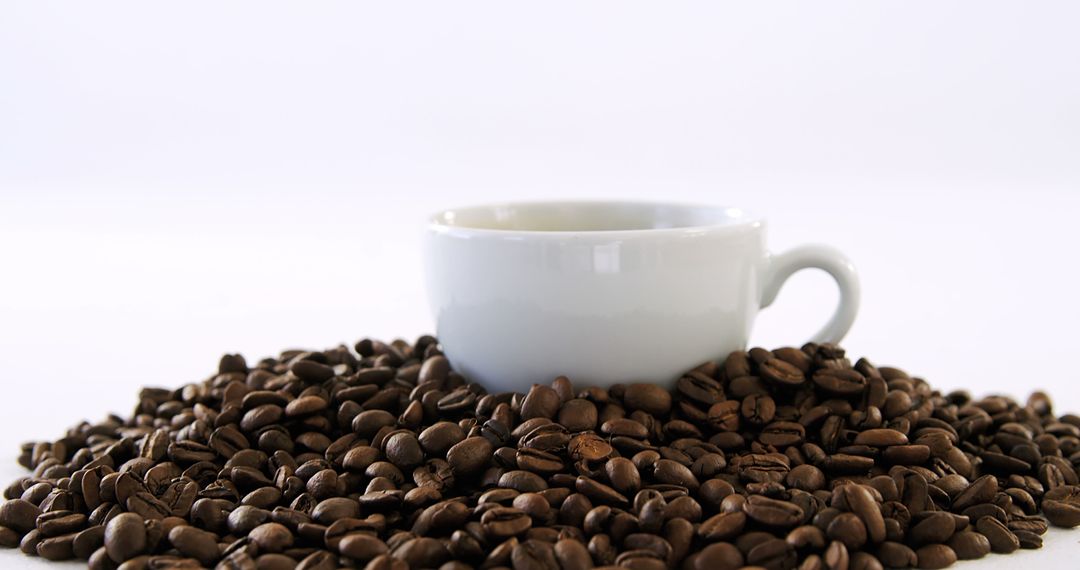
point(179, 181)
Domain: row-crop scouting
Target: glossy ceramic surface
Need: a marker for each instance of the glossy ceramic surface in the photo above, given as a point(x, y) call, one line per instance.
point(606, 292)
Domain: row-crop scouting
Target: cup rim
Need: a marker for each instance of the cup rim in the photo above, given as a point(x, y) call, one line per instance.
point(738, 219)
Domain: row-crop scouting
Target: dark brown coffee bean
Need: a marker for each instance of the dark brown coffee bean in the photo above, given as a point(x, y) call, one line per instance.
point(318, 560)
point(578, 415)
point(772, 513)
point(274, 562)
point(758, 409)
point(598, 492)
point(624, 427)
point(969, 545)
point(57, 547)
point(840, 381)
point(19, 515)
point(782, 372)
point(674, 473)
point(717, 556)
point(271, 537)
point(57, 523)
point(470, 455)
point(722, 527)
point(935, 528)
point(935, 556)
point(1061, 506)
point(403, 449)
point(311, 371)
point(504, 522)
point(362, 547)
point(881, 438)
point(195, 543)
point(572, 554)
point(849, 529)
point(540, 402)
point(772, 553)
point(1002, 540)
point(724, 416)
point(87, 541)
point(982, 490)
point(896, 555)
point(806, 478)
point(125, 537)
point(534, 555)
point(649, 398)
point(1028, 540)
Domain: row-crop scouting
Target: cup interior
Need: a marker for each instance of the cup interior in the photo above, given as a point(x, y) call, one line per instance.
point(589, 216)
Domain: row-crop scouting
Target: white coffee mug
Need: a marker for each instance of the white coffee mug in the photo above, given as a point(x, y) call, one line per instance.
point(607, 292)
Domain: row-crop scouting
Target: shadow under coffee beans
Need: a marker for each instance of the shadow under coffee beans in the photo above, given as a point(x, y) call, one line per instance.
point(382, 457)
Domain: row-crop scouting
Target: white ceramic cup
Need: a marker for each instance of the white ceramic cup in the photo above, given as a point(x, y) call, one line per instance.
point(607, 292)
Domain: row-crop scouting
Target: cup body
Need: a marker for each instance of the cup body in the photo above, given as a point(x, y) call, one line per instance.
point(602, 292)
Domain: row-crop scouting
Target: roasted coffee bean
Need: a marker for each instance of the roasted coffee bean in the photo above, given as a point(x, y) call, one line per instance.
point(1061, 506)
point(57, 523)
point(362, 547)
point(541, 402)
point(935, 556)
point(57, 547)
point(1002, 540)
point(722, 527)
point(87, 541)
point(848, 529)
point(504, 522)
point(840, 381)
point(470, 455)
point(771, 512)
point(806, 478)
point(19, 515)
point(896, 555)
point(773, 553)
point(271, 537)
point(195, 543)
point(936, 528)
point(125, 537)
point(795, 456)
point(969, 545)
point(650, 398)
point(881, 438)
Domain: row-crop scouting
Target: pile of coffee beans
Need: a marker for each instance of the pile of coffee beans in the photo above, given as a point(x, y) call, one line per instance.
point(384, 458)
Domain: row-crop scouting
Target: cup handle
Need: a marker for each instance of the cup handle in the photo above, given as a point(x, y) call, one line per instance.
point(836, 264)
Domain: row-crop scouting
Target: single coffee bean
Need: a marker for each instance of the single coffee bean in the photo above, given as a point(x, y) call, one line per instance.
point(649, 398)
point(470, 455)
point(722, 527)
point(271, 537)
point(897, 555)
point(195, 543)
point(570, 553)
point(881, 438)
point(936, 528)
point(362, 547)
point(19, 515)
point(771, 512)
point(125, 537)
point(934, 556)
point(540, 402)
point(57, 547)
point(1061, 506)
point(1002, 540)
point(849, 529)
point(718, 556)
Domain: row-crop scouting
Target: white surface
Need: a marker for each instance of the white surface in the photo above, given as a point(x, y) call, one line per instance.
point(525, 292)
point(176, 182)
